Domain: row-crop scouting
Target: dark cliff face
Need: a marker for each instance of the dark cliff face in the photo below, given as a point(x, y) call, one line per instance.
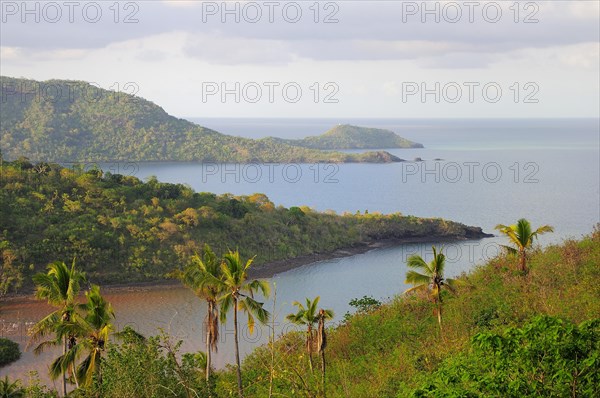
point(476, 233)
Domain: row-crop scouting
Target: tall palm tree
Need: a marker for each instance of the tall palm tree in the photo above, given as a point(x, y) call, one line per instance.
point(322, 341)
point(431, 279)
point(308, 316)
point(94, 329)
point(239, 294)
point(204, 277)
point(60, 287)
point(521, 237)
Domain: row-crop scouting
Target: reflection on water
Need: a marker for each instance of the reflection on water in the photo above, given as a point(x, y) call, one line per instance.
point(178, 312)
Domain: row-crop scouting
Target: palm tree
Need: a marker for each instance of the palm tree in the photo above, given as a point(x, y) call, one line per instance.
point(60, 287)
point(239, 293)
point(431, 279)
point(97, 329)
point(308, 316)
point(203, 276)
point(322, 340)
point(521, 237)
point(94, 329)
point(10, 389)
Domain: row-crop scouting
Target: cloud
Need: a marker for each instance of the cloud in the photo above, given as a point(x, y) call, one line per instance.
point(584, 56)
point(151, 56)
point(9, 53)
point(231, 51)
point(376, 30)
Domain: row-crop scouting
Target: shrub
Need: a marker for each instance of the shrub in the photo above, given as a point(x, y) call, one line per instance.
point(547, 357)
point(9, 351)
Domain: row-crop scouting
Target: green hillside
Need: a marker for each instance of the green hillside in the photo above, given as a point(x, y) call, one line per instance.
point(505, 335)
point(121, 229)
point(73, 121)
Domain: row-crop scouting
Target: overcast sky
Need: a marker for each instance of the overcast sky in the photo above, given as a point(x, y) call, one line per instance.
point(348, 58)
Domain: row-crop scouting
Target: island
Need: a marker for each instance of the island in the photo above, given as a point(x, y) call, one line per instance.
point(346, 136)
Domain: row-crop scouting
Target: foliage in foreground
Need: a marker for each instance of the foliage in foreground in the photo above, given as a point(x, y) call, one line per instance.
point(507, 335)
point(547, 357)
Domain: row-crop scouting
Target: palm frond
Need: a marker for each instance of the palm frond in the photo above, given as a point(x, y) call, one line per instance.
point(453, 284)
point(299, 305)
point(61, 364)
point(46, 344)
point(256, 309)
point(297, 318)
point(416, 261)
point(328, 314)
point(313, 304)
point(44, 327)
point(540, 231)
point(86, 369)
point(415, 278)
point(259, 284)
point(544, 229)
point(423, 287)
point(226, 303)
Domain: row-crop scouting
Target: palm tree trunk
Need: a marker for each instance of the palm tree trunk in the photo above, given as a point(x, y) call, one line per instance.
point(237, 349)
point(309, 342)
point(71, 343)
point(75, 375)
point(323, 373)
point(272, 338)
point(439, 310)
point(99, 362)
point(439, 314)
point(65, 372)
point(523, 261)
point(208, 339)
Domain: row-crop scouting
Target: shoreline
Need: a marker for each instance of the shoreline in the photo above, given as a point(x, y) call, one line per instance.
point(273, 268)
point(270, 269)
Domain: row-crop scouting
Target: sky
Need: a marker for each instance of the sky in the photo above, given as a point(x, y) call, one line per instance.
point(335, 59)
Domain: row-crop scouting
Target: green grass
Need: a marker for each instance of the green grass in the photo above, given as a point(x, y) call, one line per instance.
point(393, 350)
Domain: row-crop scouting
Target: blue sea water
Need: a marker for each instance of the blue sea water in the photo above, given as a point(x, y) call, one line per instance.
point(491, 171)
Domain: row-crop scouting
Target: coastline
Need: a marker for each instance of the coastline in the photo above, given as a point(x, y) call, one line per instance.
point(270, 269)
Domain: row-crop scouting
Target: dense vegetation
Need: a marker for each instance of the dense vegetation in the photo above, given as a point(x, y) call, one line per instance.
point(9, 351)
point(73, 121)
point(121, 229)
point(345, 136)
point(507, 334)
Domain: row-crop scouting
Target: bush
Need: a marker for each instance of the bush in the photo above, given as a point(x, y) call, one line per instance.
point(363, 305)
point(547, 357)
point(9, 352)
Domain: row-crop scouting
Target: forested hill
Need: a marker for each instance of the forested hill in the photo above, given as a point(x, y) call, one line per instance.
point(345, 136)
point(73, 121)
point(121, 229)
